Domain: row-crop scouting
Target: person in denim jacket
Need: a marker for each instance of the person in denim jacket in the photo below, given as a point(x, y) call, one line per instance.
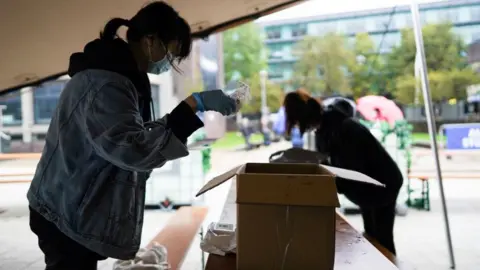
point(87, 196)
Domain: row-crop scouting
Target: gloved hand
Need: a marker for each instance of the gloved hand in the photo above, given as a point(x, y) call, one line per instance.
point(215, 100)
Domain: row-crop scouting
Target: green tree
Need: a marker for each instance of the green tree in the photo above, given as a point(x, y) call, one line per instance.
point(443, 49)
point(244, 52)
point(323, 64)
point(461, 79)
point(306, 68)
point(274, 96)
point(449, 75)
point(365, 71)
point(443, 85)
point(405, 89)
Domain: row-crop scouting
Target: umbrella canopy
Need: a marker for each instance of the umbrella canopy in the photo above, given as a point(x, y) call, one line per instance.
point(369, 106)
point(39, 36)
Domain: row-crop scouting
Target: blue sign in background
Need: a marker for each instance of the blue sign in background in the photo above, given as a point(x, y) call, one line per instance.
point(463, 137)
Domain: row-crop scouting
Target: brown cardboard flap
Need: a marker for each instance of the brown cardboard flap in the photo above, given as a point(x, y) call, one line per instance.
point(287, 189)
point(352, 175)
point(216, 181)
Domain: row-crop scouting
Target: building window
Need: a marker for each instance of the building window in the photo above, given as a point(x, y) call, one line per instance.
point(275, 76)
point(45, 99)
point(431, 17)
point(156, 100)
point(475, 36)
point(454, 15)
point(275, 51)
point(274, 33)
point(475, 13)
point(401, 21)
point(12, 114)
point(341, 27)
point(383, 23)
point(356, 26)
point(446, 16)
point(404, 20)
point(299, 31)
point(463, 14)
point(391, 40)
point(275, 72)
point(324, 28)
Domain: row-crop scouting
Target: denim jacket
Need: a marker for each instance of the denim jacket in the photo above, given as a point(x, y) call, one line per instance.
point(90, 180)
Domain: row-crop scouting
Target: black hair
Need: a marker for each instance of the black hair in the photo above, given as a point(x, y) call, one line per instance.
point(301, 110)
point(156, 18)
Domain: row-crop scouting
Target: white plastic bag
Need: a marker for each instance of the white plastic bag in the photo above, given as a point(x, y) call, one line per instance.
point(154, 258)
point(238, 91)
point(219, 239)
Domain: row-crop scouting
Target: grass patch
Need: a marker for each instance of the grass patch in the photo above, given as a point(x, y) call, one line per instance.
point(235, 140)
point(425, 137)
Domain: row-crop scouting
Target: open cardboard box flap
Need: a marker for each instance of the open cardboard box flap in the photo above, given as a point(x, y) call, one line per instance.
point(343, 173)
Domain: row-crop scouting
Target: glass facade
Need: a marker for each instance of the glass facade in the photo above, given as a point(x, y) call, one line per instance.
point(45, 100)
point(12, 114)
point(384, 28)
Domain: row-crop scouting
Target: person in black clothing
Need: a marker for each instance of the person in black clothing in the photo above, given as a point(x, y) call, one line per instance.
point(350, 145)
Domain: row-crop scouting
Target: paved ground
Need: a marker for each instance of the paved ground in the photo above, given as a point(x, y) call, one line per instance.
point(420, 235)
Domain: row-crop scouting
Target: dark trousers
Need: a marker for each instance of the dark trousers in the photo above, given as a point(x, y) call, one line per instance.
point(378, 224)
point(60, 251)
point(378, 206)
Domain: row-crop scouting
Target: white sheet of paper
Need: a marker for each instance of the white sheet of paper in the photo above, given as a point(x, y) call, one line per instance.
point(352, 175)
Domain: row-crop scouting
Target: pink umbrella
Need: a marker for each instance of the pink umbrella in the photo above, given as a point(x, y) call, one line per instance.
point(375, 108)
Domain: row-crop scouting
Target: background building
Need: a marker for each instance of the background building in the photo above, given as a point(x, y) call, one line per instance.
point(474, 55)
point(382, 24)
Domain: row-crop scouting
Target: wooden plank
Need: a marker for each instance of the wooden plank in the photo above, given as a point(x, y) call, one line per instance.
point(14, 178)
point(15, 181)
point(178, 234)
point(9, 156)
point(30, 174)
point(352, 250)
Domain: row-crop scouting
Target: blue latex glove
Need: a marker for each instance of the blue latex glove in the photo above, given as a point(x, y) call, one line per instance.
point(215, 100)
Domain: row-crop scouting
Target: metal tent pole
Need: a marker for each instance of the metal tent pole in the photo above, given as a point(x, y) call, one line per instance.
point(417, 29)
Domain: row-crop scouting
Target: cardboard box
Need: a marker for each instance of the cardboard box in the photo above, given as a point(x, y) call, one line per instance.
point(285, 214)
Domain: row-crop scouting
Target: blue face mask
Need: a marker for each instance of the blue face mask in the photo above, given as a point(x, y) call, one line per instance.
point(160, 66)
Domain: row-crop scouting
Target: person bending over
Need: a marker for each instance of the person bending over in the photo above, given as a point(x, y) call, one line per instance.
point(350, 145)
